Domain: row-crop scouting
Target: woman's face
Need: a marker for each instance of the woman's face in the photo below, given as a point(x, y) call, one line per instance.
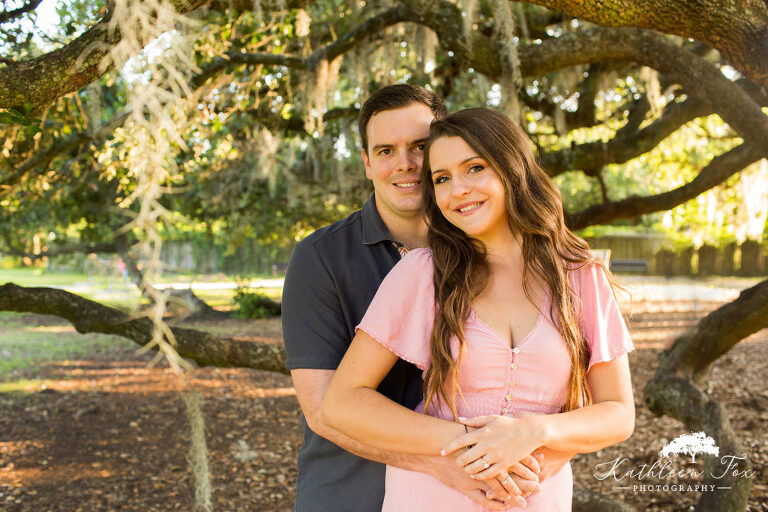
point(468, 192)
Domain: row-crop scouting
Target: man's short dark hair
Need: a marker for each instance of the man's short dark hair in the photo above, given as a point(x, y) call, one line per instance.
point(391, 97)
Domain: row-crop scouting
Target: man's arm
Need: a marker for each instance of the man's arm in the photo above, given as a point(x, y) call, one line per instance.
point(311, 386)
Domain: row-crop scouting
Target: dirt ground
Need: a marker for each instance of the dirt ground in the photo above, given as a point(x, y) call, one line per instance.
point(108, 433)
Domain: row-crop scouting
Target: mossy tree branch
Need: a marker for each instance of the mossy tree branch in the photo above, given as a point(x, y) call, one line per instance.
point(89, 316)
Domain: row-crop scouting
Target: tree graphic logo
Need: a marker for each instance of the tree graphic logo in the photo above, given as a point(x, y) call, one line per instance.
point(692, 444)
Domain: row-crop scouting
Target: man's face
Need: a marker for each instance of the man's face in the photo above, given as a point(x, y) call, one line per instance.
point(396, 140)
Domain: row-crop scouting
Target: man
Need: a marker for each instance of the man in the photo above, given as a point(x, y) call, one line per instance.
point(332, 277)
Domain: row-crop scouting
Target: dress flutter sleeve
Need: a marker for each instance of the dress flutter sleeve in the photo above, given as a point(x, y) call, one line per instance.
point(600, 317)
point(402, 312)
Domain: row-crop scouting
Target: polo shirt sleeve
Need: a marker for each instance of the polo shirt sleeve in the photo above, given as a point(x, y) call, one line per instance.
point(314, 330)
point(600, 319)
point(402, 313)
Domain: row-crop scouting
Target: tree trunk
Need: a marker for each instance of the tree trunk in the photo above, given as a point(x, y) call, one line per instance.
point(674, 392)
point(585, 500)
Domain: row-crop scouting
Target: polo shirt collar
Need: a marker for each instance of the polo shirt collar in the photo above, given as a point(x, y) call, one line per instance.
point(374, 229)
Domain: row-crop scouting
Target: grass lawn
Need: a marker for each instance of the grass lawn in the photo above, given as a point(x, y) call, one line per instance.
point(25, 344)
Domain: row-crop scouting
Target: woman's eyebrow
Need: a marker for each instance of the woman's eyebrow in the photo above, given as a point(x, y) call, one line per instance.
point(433, 171)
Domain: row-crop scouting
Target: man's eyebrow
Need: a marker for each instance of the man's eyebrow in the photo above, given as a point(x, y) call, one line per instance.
point(412, 143)
point(462, 163)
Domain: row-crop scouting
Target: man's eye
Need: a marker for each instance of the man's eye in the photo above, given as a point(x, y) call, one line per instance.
point(420, 147)
point(385, 152)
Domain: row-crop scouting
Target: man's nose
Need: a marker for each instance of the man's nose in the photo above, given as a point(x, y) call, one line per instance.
point(407, 162)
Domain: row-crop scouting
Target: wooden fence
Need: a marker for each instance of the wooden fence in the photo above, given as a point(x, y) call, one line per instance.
point(747, 259)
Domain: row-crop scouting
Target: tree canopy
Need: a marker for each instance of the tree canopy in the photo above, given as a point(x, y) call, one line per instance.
point(264, 144)
point(131, 122)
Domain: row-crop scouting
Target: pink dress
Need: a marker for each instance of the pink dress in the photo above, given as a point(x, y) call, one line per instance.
point(531, 378)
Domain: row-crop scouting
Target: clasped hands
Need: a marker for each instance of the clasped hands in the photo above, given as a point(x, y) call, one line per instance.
point(495, 449)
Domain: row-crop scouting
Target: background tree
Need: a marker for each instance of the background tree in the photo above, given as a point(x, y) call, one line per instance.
point(238, 117)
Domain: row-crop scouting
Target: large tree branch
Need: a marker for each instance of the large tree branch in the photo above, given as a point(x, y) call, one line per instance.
point(680, 398)
point(629, 142)
point(698, 77)
point(590, 157)
point(738, 30)
point(692, 353)
point(329, 52)
point(716, 172)
point(89, 316)
point(674, 392)
point(265, 5)
point(12, 15)
point(595, 45)
point(39, 81)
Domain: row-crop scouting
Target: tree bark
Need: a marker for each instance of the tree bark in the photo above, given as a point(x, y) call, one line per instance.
point(738, 30)
point(585, 500)
point(716, 172)
point(89, 316)
point(30, 6)
point(39, 81)
point(717, 333)
point(674, 392)
point(626, 144)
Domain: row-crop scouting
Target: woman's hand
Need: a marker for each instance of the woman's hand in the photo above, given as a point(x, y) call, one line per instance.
point(499, 443)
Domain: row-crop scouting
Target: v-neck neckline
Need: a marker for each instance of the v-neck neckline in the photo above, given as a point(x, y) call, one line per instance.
point(500, 339)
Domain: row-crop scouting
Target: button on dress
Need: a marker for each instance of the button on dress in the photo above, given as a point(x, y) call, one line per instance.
point(494, 378)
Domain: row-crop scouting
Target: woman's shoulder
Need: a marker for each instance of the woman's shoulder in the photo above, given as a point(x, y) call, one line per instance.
point(416, 259)
point(585, 269)
point(587, 277)
point(413, 270)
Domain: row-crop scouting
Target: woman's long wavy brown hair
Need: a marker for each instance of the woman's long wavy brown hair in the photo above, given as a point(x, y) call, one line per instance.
point(549, 250)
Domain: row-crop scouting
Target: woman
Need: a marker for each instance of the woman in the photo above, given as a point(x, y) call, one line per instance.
point(511, 319)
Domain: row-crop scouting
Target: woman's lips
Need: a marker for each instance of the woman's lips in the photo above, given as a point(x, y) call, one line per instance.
point(469, 208)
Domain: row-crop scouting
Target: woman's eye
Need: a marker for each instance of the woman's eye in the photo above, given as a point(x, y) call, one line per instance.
point(441, 179)
point(476, 168)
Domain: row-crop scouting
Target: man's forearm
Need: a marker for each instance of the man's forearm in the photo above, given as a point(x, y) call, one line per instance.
point(401, 460)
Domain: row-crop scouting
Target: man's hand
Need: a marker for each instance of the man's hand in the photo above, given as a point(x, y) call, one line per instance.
point(551, 461)
point(487, 493)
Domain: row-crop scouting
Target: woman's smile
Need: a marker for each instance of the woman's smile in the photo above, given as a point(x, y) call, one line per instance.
point(469, 208)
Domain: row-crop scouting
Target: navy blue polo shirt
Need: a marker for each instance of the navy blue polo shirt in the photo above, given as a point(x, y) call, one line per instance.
point(331, 279)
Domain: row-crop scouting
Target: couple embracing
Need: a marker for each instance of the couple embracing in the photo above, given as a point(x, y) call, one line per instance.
point(452, 344)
